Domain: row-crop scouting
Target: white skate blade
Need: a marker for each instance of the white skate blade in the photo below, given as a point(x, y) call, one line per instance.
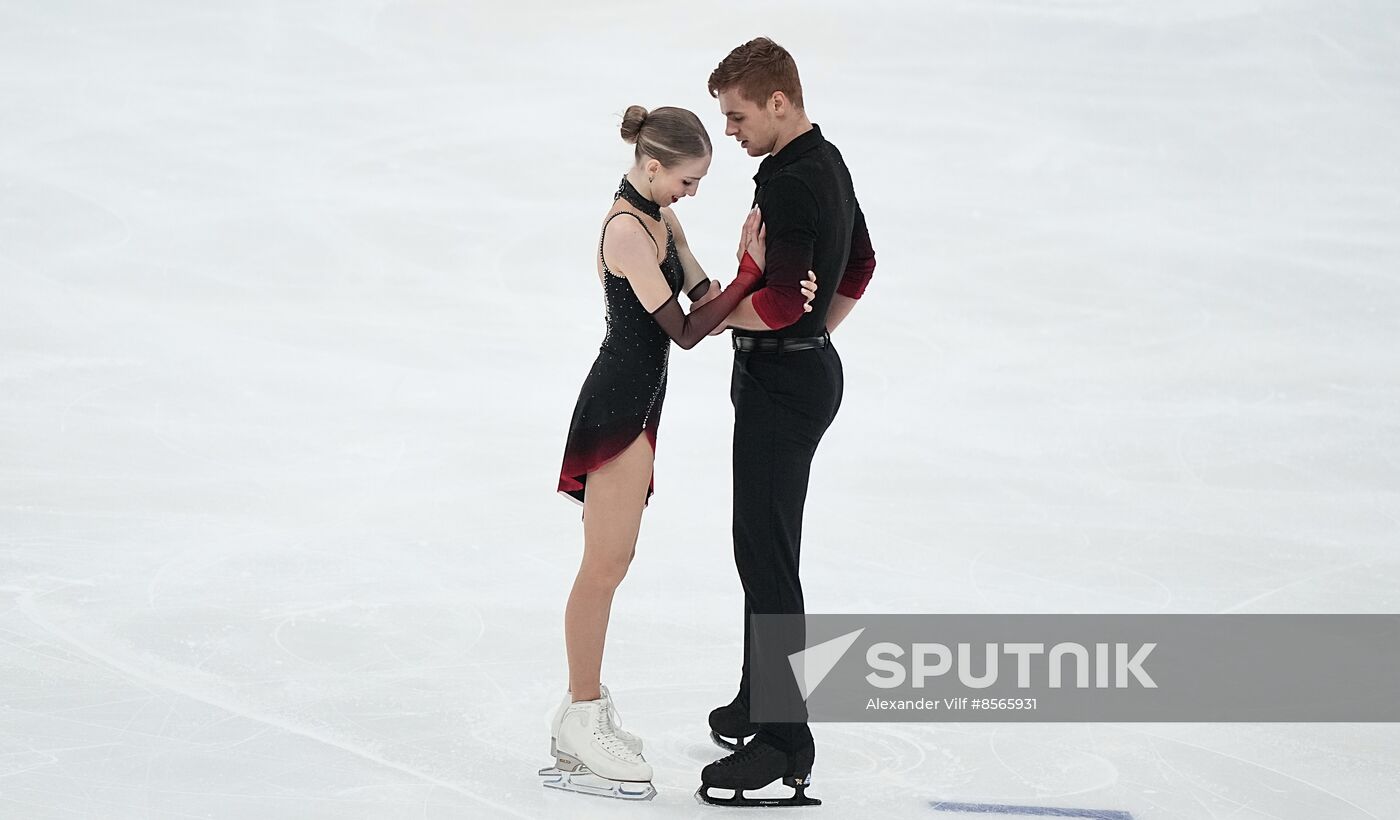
point(583, 781)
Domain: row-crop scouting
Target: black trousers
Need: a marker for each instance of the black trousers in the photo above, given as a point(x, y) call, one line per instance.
point(783, 404)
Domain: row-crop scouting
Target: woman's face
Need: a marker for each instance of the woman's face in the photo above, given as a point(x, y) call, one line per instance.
point(672, 184)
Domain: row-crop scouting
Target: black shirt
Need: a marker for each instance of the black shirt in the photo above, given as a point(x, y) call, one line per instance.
point(814, 223)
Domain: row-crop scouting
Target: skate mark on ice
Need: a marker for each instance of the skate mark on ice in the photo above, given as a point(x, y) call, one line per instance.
point(26, 606)
point(1217, 753)
point(1306, 578)
point(1032, 811)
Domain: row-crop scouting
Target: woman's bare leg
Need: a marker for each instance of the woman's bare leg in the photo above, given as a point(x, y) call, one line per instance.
point(612, 516)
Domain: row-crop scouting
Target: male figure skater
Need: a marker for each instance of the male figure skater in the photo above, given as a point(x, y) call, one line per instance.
point(786, 384)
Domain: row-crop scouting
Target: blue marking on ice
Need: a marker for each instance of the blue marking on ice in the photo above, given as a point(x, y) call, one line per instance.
point(1036, 811)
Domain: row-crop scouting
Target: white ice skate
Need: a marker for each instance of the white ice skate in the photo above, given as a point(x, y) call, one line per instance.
point(591, 759)
point(633, 742)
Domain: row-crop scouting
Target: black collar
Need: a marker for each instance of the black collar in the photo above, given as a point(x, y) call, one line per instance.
point(631, 194)
point(790, 153)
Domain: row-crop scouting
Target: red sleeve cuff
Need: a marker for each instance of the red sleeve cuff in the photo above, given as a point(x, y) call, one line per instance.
point(778, 308)
point(855, 279)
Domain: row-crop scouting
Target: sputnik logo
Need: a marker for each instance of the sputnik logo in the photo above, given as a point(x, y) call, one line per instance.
point(813, 664)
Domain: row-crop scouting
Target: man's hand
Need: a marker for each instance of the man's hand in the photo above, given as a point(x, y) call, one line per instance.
point(838, 310)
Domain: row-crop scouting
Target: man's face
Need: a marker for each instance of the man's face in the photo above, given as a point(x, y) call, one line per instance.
point(754, 126)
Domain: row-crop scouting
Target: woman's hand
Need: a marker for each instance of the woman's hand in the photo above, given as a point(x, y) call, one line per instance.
point(809, 290)
point(710, 294)
point(753, 238)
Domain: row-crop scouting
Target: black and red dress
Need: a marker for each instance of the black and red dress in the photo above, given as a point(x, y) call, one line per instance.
point(622, 396)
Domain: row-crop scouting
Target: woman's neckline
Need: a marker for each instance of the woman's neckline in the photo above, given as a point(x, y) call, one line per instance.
point(634, 197)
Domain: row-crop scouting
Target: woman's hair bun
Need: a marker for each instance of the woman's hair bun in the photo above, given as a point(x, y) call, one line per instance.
point(632, 123)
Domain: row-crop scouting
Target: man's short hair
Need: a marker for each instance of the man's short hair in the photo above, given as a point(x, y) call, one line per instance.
point(757, 69)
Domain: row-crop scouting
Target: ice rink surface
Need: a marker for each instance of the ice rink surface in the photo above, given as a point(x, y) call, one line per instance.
point(296, 298)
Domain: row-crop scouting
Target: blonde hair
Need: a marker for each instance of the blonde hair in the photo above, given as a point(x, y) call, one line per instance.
point(668, 135)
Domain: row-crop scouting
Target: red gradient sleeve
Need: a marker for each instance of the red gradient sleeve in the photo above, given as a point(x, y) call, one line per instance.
point(860, 265)
point(790, 214)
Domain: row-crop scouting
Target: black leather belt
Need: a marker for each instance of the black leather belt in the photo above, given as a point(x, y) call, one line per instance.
point(750, 344)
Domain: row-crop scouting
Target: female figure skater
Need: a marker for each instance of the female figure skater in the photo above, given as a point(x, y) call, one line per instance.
point(643, 264)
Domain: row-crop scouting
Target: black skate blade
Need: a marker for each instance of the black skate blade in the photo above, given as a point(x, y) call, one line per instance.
point(727, 744)
point(740, 800)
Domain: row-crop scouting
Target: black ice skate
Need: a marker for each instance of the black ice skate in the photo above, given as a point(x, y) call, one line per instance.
point(755, 766)
point(731, 721)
